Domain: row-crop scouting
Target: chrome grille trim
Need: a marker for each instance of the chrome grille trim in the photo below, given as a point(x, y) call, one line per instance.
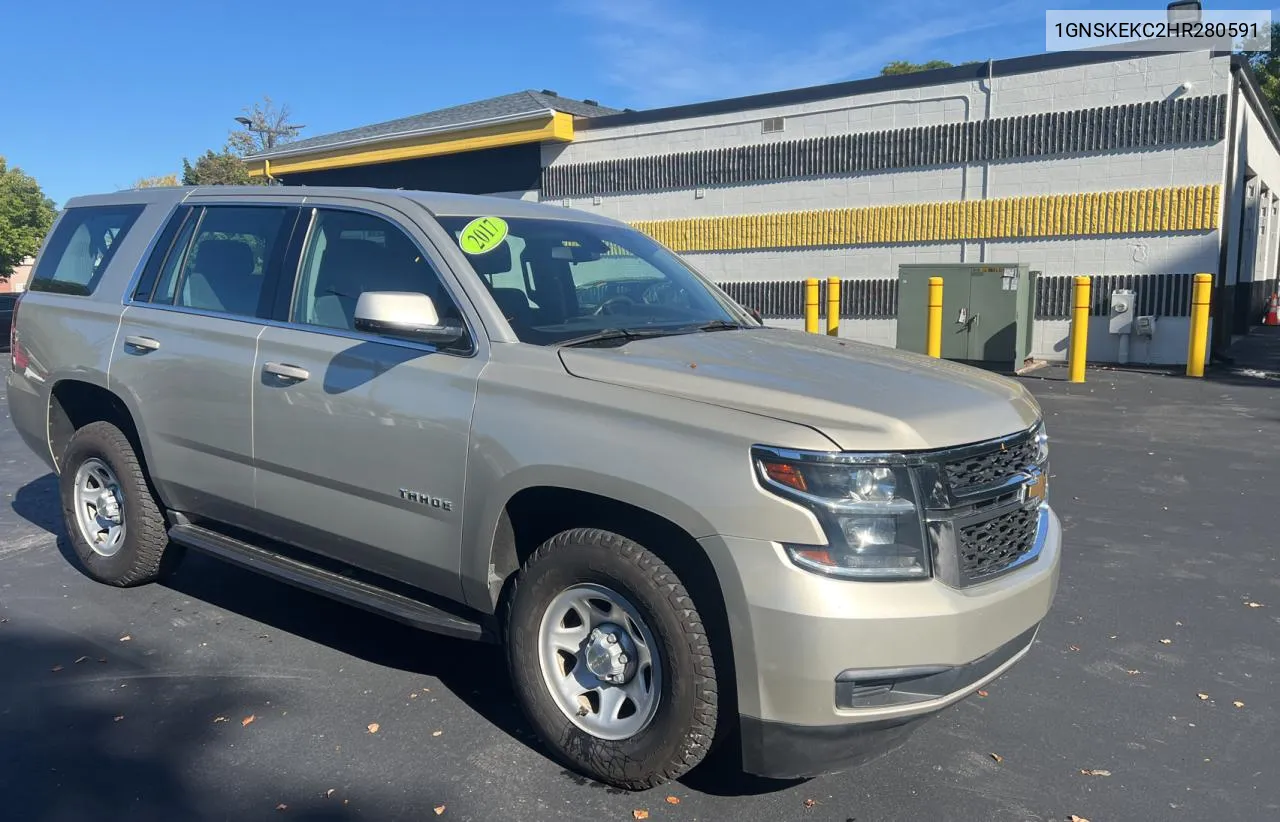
point(978, 525)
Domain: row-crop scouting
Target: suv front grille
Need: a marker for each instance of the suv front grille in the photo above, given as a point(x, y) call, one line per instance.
point(989, 547)
point(987, 468)
point(983, 524)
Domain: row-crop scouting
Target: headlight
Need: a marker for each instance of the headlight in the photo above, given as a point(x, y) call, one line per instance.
point(868, 511)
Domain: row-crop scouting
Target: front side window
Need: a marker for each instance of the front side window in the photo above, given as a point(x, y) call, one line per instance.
point(221, 259)
point(349, 253)
point(563, 280)
point(81, 247)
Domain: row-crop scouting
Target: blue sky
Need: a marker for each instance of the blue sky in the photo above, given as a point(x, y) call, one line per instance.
point(98, 94)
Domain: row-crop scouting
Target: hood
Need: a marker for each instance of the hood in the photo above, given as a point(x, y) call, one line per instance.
point(863, 397)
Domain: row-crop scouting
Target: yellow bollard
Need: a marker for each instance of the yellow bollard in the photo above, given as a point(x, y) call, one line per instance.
point(833, 306)
point(1199, 334)
point(811, 305)
point(933, 342)
point(1080, 328)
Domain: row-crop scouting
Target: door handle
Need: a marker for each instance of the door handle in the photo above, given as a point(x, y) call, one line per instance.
point(141, 344)
point(285, 371)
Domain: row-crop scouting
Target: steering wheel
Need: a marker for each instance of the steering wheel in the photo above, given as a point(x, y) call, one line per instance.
point(617, 299)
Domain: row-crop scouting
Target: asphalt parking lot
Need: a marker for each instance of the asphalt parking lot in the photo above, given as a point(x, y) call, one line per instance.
point(220, 695)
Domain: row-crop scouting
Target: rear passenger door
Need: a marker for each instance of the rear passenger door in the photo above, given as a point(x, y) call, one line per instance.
point(185, 351)
point(361, 438)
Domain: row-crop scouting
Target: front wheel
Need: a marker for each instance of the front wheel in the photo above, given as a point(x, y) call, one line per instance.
point(611, 661)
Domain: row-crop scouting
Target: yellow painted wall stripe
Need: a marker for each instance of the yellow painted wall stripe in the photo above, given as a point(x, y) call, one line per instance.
point(557, 128)
point(1137, 211)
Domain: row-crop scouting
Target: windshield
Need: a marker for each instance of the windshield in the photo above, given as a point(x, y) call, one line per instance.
point(561, 280)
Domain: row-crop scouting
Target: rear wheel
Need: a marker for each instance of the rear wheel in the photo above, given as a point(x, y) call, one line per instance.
point(113, 521)
point(611, 661)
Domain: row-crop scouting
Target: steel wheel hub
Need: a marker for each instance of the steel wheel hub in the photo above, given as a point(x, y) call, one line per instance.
point(600, 662)
point(611, 654)
point(98, 507)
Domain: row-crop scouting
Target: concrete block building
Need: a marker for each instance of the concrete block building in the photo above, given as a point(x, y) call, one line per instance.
point(1138, 169)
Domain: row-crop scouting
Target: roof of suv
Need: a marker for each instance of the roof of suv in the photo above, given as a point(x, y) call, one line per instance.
point(438, 203)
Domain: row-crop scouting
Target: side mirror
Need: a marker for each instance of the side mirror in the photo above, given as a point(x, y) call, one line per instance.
point(404, 314)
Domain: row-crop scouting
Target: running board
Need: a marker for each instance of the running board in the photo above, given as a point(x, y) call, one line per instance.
point(326, 583)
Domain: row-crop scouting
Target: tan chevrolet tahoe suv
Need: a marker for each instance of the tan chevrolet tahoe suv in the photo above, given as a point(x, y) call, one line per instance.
point(536, 427)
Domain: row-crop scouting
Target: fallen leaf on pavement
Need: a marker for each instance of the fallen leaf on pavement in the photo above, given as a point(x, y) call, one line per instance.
point(118, 718)
point(1095, 772)
point(1238, 704)
point(413, 695)
point(1074, 818)
point(329, 793)
point(56, 668)
point(1255, 604)
point(82, 659)
point(373, 727)
point(218, 719)
point(439, 809)
point(1133, 672)
point(436, 733)
point(102, 659)
point(673, 800)
point(1162, 642)
point(1073, 647)
point(639, 813)
point(282, 807)
point(1203, 696)
point(248, 719)
point(125, 638)
point(997, 757)
point(982, 693)
point(809, 803)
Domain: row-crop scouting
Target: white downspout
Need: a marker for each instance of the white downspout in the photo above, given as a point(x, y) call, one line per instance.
point(989, 88)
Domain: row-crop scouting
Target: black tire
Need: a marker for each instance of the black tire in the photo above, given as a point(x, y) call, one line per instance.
point(681, 732)
point(142, 554)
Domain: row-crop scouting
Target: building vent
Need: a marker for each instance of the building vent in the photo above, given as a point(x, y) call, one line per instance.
point(549, 92)
point(591, 102)
point(771, 125)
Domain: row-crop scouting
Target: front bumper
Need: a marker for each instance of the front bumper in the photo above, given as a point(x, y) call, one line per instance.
point(784, 751)
point(814, 655)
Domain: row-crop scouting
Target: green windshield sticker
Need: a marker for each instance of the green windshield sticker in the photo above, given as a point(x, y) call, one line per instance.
point(483, 234)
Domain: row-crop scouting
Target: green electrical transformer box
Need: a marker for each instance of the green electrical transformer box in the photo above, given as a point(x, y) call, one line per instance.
point(987, 311)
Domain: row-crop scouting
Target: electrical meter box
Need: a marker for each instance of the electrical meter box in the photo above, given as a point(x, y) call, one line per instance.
point(1121, 317)
point(987, 311)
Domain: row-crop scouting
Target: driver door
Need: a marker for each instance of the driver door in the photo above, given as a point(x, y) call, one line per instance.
point(361, 438)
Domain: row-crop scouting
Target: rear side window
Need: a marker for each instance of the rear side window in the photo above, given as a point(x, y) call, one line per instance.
point(221, 258)
point(81, 248)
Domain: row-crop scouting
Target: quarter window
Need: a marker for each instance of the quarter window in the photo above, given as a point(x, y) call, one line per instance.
point(81, 248)
point(349, 253)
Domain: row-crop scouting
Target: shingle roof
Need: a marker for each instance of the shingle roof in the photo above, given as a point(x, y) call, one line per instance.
point(508, 105)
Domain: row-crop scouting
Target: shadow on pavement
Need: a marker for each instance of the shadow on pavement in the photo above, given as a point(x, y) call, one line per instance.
point(112, 739)
point(475, 672)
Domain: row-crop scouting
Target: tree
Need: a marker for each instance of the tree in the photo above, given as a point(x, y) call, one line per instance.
point(1266, 64)
point(157, 182)
point(263, 127)
point(25, 217)
point(906, 67)
point(224, 168)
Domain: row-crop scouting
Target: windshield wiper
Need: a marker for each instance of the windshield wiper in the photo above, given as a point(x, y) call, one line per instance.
point(619, 334)
point(721, 325)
